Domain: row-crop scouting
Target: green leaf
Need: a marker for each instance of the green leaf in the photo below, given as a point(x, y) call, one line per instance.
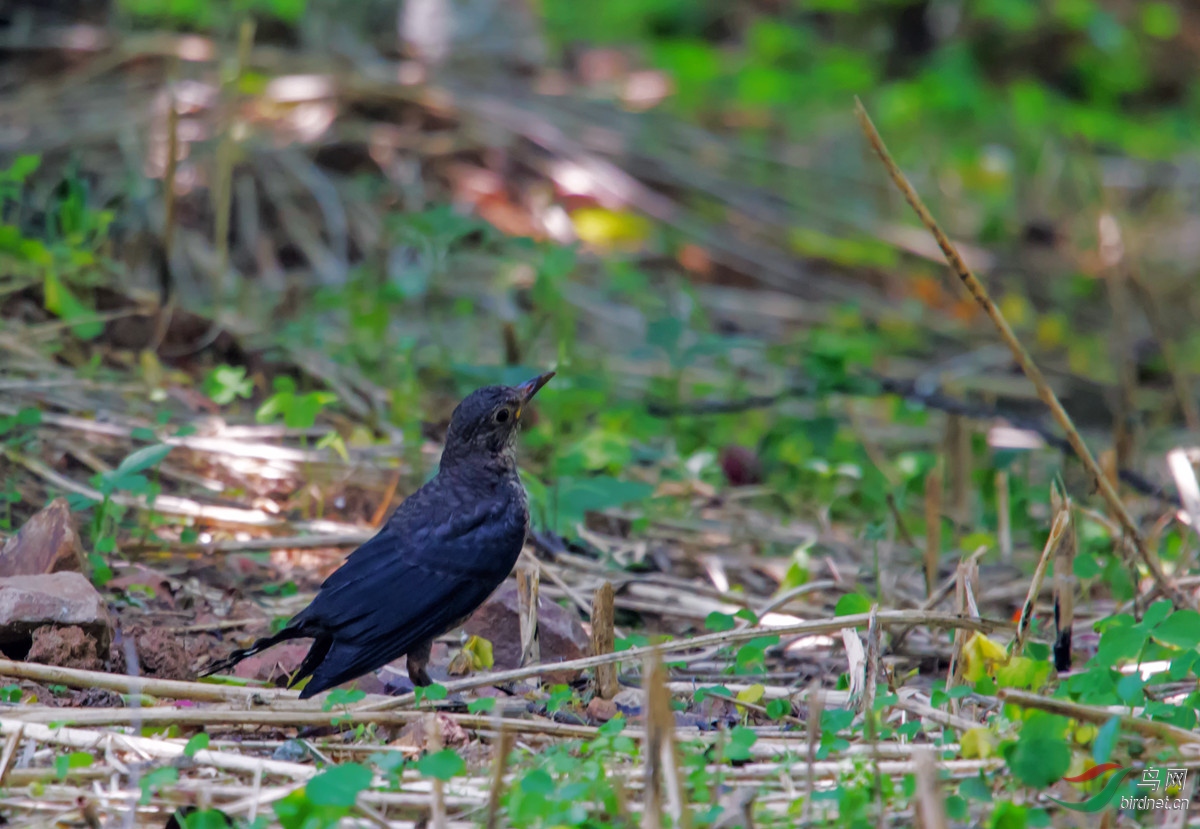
point(142, 459)
point(976, 788)
point(777, 709)
point(743, 736)
point(224, 384)
point(62, 303)
point(339, 785)
point(1182, 665)
point(343, 696)
point(274, 407)
point(75, 760)
point(204, 819)
point(1008, 815)
point(1106, 740)
point(1117, 643)
point(156, 779)
point(1086, 566)
point(1129, 689)
point(750, 658)
point(198, 742)
point(719, 622)
point(1041, 754)
point(297, 811)
point(740, 741)
point(482, 705)
point(442, 765)
point(852, 604)
point(432, 692)
point(1156, 612)
point(1160, 20)
point(538, 782)
point(1180, 630)
point(391, 762)
point(573, 498)
point(23, 167)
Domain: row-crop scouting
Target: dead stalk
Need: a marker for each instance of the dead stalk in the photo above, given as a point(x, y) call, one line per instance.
point(603, 639)
point(930, 806)
point(1064, 587)
point(1062, 521)
point(1003, 517)
point(933, 527)
point(503, 747)
point(1045, 392)
point(1100, 715)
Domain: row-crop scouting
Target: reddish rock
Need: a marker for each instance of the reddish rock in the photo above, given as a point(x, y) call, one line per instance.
point(60, 599)
point(274, 664)
point(48, 542)
point(560, 633)
point(66, 647)
point(601, 710)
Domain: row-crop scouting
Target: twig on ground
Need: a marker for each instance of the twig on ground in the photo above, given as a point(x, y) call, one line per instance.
point(1100, 715)
point(822, 626)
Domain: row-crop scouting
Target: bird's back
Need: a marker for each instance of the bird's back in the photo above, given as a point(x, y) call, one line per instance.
point(440, 555)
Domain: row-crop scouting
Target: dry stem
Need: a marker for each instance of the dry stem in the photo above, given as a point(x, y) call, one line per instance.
point(1047, 395)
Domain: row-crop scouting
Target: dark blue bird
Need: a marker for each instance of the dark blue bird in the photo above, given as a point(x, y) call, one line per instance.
point(440, 555)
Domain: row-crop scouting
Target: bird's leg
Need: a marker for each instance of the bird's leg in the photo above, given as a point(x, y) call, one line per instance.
point(418, 658)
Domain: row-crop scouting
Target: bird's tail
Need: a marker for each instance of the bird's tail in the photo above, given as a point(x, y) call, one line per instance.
point(259, 645)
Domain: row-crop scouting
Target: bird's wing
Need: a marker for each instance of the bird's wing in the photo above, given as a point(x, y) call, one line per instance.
point(398, 590)
point(441, 600)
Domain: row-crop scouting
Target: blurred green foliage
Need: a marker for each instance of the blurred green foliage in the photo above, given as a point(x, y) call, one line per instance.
point(985, 88)
point(204, 14)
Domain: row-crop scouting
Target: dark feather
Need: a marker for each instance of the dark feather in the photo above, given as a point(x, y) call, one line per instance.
point(440, 555)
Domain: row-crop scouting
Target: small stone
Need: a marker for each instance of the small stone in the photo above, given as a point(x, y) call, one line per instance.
point(601, 710)
point(66, 647)
point(415, 735)
point(561, 635)
point(161, 654)
point(47, 543)
point(61, 599)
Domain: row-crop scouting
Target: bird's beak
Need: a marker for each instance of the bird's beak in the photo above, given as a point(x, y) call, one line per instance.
point(530, 387)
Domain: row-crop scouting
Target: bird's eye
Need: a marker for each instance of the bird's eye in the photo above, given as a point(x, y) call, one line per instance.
point(502, 416)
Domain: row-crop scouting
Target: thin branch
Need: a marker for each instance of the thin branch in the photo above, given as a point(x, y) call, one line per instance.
point(887, 618)
point(1047, 395)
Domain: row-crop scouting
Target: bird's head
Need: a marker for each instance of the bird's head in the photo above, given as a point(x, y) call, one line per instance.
point(484, 424)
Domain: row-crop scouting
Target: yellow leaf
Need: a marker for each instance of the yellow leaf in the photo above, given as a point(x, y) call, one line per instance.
point(1016, 310)
point(611, 228)
point(981, 656)
point(480, 650)
point(752, 694)
point(978, 743)
point(1085, 732)
point(152, 370)
point(1051, 330)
